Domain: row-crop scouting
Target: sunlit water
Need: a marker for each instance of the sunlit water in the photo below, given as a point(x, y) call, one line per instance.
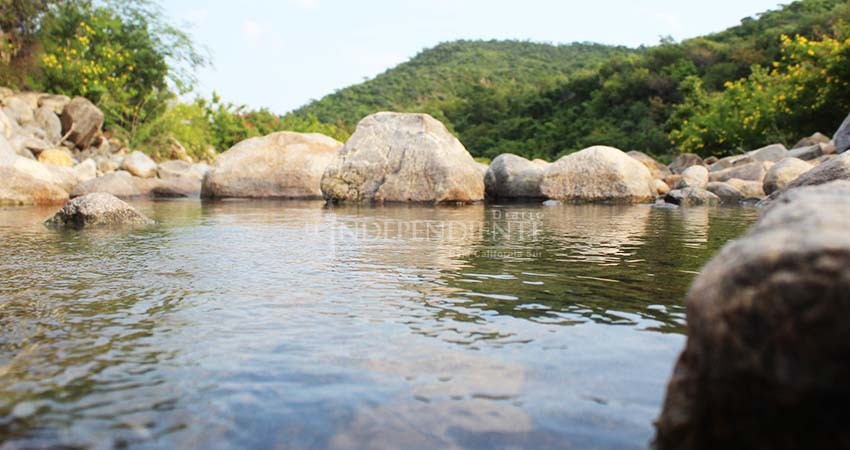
point(288, 325)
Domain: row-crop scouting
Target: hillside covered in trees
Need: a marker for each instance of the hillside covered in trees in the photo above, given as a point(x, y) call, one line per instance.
point(444, 77)
point(540, 100)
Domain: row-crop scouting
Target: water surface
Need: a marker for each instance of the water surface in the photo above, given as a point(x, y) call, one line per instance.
point(289, 325)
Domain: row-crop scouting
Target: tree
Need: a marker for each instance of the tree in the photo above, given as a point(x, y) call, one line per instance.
point(122, 55)
point(803, 92)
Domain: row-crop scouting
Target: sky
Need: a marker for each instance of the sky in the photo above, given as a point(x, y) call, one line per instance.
point(281, 54)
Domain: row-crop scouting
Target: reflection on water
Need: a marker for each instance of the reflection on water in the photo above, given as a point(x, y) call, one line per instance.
point(286, 324)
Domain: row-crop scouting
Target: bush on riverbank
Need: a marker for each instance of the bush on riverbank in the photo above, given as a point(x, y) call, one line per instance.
point(134, 65)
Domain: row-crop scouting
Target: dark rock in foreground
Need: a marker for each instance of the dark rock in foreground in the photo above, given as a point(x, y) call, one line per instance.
point(766, 361)
point(95, 210)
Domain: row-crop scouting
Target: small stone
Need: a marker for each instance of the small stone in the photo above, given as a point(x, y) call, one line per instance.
point(57, 157)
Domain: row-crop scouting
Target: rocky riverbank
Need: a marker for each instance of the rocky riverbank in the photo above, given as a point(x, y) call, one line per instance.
point(53, 148)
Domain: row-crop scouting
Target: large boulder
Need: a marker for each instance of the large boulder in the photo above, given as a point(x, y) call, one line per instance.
point(280, 165)
point(119, 184)
point(19, 188)
point(692, 197)
point(656, 169)
point(82, 122)
point(783, 173)
point(765, 364)
point(394, 157)
point(684, 161)
point(30, 167)
point(512, 177)
point(96, 210)
point(842, 136)
point(139, 164)
point(694, 177)
point(598, 174)
point(754, 171)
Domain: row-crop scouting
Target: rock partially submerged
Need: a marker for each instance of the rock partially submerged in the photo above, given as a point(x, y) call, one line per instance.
point(765, 364)
point(728, 194)
point(394, 157)
point(598, 174)
point(692, 197)
point(512, 177)
point(280, 165)
point(96, 210)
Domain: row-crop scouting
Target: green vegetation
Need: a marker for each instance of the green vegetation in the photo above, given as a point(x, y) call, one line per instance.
point(773, 78)
point(123, 56)
point(450, 75)
point(543, 101)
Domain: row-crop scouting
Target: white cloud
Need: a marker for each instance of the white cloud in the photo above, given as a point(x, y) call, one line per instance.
point(305, 4)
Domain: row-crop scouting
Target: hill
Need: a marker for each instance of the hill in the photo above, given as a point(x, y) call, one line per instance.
point(542, 100)
point(441, 77)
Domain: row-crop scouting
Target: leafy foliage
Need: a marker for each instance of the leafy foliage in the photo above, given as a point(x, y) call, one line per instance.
point(440, 78)
point(560, 99)
point(806, 88)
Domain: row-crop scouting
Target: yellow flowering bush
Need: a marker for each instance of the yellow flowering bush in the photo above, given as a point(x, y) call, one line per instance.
point(804, 92)
point(88, 66)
